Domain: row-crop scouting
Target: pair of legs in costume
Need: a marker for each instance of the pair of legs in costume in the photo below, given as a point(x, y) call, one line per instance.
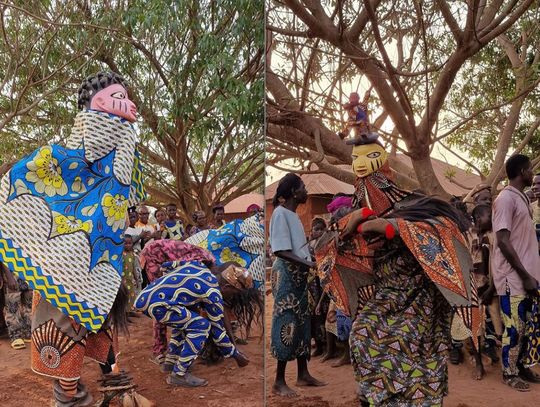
point(18, 307)
point(190, 331)
point(58, 349)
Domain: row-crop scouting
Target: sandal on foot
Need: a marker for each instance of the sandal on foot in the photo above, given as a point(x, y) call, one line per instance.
point(157, 359)
point(18, 344)
point(187, 380)
point(516, 383)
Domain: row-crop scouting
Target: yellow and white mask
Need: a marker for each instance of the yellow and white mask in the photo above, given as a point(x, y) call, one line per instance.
point(368, 158)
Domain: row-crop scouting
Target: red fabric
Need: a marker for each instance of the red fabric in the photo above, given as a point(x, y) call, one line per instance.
point(158, 252)
point(378, 199)
point(367, 212)
point(159, 332)
point(389, 232)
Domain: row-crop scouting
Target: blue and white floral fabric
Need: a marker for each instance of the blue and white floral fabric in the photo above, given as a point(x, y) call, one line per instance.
point(63, 212)
point(241, 241)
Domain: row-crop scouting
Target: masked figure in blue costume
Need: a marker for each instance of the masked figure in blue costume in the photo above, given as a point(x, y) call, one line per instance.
point(69, 249)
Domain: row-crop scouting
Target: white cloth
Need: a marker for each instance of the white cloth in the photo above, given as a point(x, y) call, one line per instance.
point(287, 233)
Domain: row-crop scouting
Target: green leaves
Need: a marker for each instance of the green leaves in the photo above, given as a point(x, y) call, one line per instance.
point(194, 67)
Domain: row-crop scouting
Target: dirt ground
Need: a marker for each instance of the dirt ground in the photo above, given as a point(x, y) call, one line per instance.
point(228, 384)
point(340, 390)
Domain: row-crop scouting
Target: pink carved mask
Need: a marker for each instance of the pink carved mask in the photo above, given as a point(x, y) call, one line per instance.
point(114, 99)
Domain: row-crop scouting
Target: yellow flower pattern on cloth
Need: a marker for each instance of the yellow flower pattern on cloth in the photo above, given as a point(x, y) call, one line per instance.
point(64, 225)
point(227, 256)
point(115, 210)
point(45, 174)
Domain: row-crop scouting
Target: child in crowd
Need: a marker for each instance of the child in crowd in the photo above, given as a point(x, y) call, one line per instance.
point(18, 308)
point(173, 227)
point(131, 277)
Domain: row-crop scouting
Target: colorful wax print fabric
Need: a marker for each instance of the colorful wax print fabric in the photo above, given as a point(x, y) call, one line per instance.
point(532, 347)
point(240, 241)
point(291, 335)
point(18, 308)
point(378, 191)
point(172, 300)
point(345, 268)
point(62, 214)
point(132, 277)
point(400, 337)
point(60, 345)
point(515, 310)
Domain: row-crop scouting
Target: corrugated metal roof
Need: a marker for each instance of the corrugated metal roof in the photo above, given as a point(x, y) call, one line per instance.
point(319, 184)
point(240, 204)
point(316, 184)
point(443, 170)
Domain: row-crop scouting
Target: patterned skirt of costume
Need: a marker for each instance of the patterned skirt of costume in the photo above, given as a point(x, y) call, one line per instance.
point(400, 337)
point(343, 326)
point(290, 318)
point(314, 290)
point(130, 277)
point(59, 345)
point(532, 347)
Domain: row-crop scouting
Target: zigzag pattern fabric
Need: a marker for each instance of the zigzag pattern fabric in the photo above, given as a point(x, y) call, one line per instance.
point(62, 213)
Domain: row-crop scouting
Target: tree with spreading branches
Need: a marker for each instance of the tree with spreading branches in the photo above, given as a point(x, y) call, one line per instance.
point(417, 59)
point(195, 71)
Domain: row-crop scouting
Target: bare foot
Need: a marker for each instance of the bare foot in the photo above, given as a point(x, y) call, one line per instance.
point(281, 389)
point(345, 360)
point(309, 380)
point(478, 372)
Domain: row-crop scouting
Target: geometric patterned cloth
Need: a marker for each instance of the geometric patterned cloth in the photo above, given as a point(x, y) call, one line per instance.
point(176, 300)
point(241, 241)
point(59, 345)
point(515, 311)
point(400, 336)
point(62, 214)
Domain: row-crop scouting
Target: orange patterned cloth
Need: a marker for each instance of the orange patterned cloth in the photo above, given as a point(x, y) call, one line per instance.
point(345, 268)
point(443, 253)
point(59, 344)
point(438, 246)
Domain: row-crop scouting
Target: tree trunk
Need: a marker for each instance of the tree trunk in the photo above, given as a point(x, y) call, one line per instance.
point(427, 178)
